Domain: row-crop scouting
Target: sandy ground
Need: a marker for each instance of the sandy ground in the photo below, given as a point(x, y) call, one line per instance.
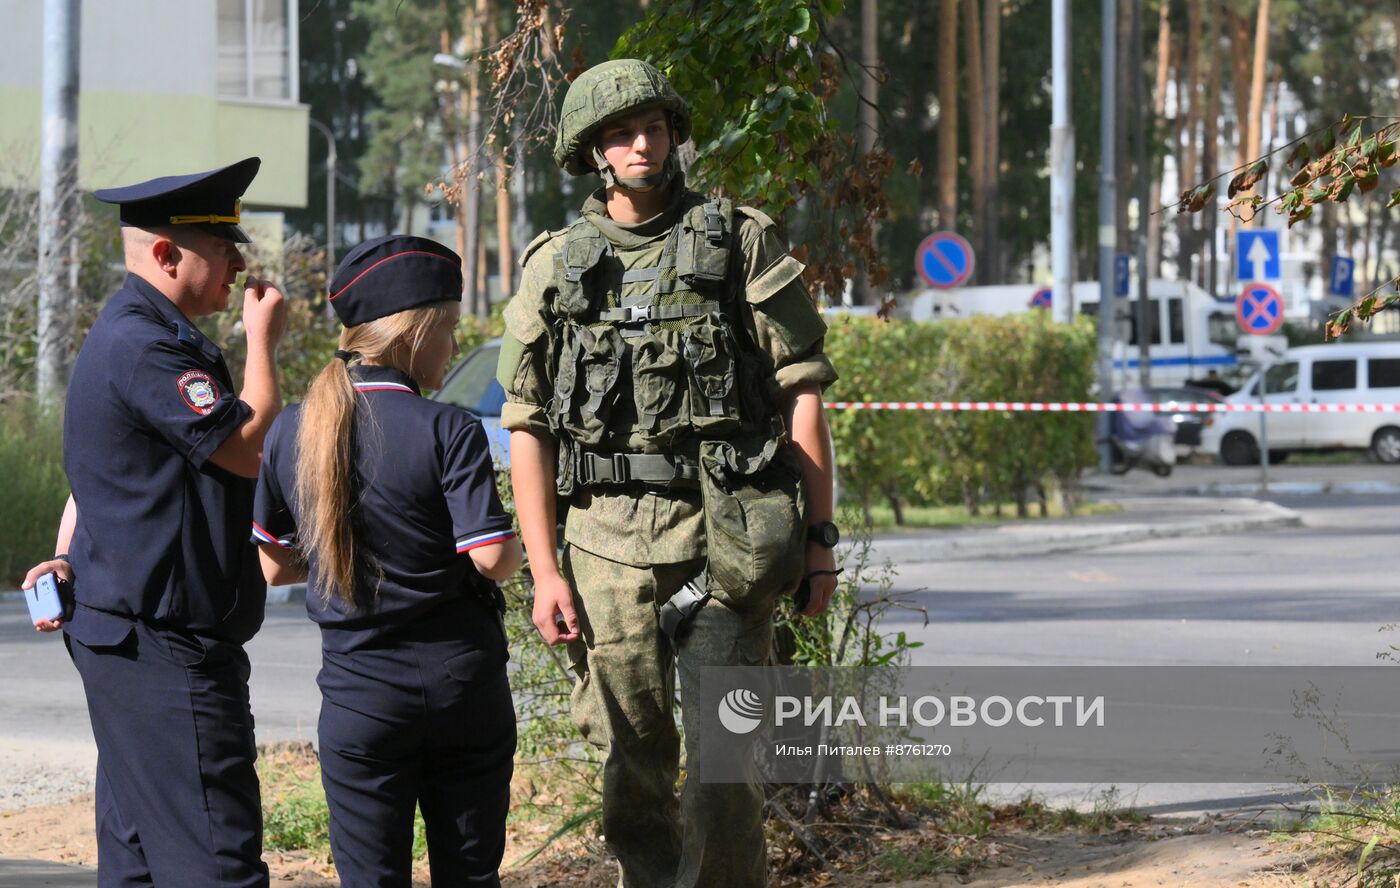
point(1221, 856)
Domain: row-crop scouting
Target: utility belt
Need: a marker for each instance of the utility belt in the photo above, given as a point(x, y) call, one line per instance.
point(624, 469)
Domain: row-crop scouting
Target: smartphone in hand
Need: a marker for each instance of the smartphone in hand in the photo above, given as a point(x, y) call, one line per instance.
point(43, 599)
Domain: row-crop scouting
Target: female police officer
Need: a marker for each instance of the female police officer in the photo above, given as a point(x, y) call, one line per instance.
point(388, 500)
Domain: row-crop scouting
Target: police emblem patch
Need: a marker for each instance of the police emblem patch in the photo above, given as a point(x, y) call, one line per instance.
point(198, 390)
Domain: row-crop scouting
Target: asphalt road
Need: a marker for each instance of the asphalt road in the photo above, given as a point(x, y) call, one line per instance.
point(1314, 595)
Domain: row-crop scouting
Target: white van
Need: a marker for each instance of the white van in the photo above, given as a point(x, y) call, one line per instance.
point(1343, 373)
point(1191, 333)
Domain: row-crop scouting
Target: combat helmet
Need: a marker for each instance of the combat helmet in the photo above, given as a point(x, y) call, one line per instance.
point(606, 90)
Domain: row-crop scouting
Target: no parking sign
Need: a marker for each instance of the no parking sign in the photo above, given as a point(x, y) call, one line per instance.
point(1259, 309)
point(944, 260)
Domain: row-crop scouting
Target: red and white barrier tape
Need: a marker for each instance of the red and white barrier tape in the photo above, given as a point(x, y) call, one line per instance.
point(1091, 407)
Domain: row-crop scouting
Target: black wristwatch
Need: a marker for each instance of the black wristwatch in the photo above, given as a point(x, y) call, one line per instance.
point(824, 533)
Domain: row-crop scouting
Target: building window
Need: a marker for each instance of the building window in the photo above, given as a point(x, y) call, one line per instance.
point(257, 50)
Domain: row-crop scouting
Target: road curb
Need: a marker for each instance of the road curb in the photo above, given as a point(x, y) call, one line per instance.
point(1013, 541)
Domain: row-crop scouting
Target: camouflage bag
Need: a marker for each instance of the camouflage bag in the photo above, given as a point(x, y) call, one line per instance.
point(754, 525)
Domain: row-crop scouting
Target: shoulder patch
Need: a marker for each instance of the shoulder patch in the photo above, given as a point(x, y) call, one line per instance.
point(540, 240)
point(198, 390)
point(758, 216)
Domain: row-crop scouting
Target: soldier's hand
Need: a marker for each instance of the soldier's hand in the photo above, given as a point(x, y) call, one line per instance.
point(57, 566)
point(821, 579)
point(264, 312)
point(553, 613)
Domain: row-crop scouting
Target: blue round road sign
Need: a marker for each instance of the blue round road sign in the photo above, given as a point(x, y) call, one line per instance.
point(1259, 309)
point(1042, 298)
point(944, 260)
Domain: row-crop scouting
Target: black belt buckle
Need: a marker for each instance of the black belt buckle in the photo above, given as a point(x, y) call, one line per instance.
point(678, 611)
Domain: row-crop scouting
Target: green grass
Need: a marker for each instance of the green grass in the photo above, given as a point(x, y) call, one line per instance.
point(33, 487)
point(295, 816)
point(953, 517)
point(914, 863)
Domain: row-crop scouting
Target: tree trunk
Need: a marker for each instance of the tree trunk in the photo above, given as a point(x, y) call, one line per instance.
point(1159, 109)
point(869, 119)
point(1363, 268)
point(1210, 155)
point(948, 115)
point(976, 126)
point(991, 103)
point(470, 181)
point(1240, 74)
point(505, 250)
point(1256, 83)
point(1187, 232)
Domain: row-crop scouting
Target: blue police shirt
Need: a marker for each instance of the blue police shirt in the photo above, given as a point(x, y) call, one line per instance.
point(162, 531)
point(425, 497)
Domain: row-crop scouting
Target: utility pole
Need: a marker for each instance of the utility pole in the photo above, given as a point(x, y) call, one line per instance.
point(1061, 170)
point(330, 194)
point(58, 193)
point(1108, 224)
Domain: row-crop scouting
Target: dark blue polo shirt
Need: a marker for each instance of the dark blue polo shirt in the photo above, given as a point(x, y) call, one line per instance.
point(162, 532)
point(426, 496)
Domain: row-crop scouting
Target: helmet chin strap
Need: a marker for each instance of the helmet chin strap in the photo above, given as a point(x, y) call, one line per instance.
point(641, 185)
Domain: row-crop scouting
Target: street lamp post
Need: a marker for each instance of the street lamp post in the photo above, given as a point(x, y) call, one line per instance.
point(330, 195)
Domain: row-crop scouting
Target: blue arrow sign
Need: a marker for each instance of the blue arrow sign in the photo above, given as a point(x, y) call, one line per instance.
point(1121, 275)
point(1342, 280)
point(1257, 255)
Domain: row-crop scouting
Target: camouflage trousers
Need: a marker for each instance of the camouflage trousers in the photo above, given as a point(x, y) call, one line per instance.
point(624, 690)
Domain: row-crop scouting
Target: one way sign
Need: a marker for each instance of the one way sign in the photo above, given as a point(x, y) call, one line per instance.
point(1257, 255)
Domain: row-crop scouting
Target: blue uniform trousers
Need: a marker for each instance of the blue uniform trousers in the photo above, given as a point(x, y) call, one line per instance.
point(177, 795)
point(418, 721)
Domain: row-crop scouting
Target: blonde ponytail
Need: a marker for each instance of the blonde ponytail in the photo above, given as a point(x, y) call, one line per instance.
point(325, 466)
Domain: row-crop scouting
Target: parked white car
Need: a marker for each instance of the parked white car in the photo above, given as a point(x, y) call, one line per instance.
point(1344, 373)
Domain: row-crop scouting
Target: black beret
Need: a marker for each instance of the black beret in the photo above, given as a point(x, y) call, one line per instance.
point(209, 200)
point(389, 274)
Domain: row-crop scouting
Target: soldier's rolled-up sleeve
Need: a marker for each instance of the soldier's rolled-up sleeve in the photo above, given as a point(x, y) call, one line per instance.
point(523, 368)
point(786, 324)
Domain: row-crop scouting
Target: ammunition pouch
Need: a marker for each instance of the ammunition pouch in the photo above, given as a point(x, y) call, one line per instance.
point(754, 525)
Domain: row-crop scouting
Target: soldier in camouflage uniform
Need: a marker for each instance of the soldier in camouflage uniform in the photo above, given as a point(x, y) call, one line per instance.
point(663, 370)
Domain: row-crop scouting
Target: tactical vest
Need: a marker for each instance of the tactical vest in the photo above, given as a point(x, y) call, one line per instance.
point(641, 380)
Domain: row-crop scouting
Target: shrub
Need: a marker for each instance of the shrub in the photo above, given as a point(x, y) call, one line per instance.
point(33, 486)
point(965, 457)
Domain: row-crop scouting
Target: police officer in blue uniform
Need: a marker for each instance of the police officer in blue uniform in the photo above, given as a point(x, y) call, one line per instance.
point(387, 502)
point(160, 453)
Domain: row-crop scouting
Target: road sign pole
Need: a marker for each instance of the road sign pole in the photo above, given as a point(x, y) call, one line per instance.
point(1264, 430)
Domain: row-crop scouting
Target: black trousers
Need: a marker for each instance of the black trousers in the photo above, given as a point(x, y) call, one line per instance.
point(177, 795)
point(419, 722)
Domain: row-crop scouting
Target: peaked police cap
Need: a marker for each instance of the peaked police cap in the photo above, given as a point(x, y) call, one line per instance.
point(209, 200)
point(390, 274)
